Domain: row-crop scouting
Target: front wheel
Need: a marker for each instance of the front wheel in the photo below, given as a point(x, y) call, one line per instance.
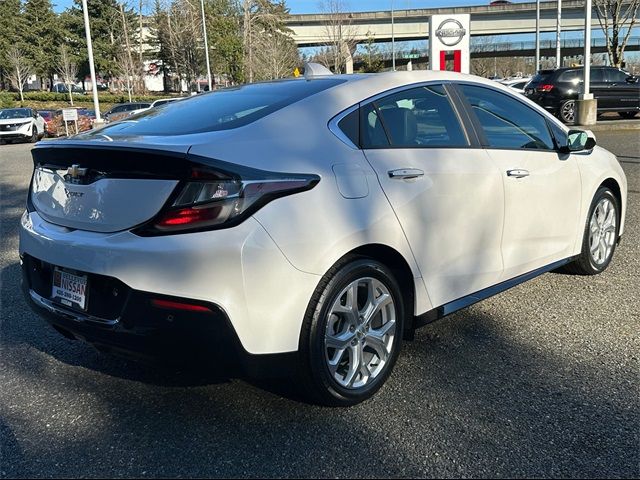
point(567, 111)
point(600, 235)
point(352, 333)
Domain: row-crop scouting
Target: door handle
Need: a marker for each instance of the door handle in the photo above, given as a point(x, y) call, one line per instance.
point(518, 173)
point(406, 173)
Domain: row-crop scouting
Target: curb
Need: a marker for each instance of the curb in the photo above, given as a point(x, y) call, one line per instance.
point(613, 125)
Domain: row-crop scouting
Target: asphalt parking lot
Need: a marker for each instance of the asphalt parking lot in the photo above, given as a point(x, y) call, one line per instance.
point(540, 381)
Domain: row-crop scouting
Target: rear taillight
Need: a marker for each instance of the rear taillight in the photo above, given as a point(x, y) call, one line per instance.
point(210, 199)
point(545, 88)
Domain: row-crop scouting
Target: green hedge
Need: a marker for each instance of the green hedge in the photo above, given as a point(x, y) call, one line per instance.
point(103, 97)
point(6, 99)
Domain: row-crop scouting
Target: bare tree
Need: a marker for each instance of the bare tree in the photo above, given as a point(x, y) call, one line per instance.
point(276, 56)
point(614, 16)
point(20, 69)
point(67, 69)
point(340, 35)
point(482, 65)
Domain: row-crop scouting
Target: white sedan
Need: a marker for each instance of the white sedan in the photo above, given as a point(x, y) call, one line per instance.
point(310, 225)
point(21, 124)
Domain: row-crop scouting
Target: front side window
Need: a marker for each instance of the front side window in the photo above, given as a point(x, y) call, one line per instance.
point(506, 122)
point(419, 117)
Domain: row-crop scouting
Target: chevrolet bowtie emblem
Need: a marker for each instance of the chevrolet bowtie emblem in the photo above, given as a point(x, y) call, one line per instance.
point(74, 173)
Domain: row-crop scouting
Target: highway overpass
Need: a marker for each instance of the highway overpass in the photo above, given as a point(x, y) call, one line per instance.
point(310, 29)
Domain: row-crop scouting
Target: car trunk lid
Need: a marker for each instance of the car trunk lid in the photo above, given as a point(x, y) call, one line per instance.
point(104, 188)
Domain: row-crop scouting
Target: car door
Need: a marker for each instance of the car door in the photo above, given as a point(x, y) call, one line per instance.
point(625, 95)
point(599, 87)
point(446, 191)
point(542, 189)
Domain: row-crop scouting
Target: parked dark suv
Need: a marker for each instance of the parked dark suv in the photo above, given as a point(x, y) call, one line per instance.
point(557, 90)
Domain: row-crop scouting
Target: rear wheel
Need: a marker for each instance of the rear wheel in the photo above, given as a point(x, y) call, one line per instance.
point(352, 332)
point(627, 114)
point(567, 111)
point(600, 235)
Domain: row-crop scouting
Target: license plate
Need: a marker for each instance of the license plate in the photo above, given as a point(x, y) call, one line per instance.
point(69, 289)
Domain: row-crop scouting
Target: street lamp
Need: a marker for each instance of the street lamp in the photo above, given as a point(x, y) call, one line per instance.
point(206, 45)
point(92, 70)
point(537, 36)
point(558, 30)
point(393, 40)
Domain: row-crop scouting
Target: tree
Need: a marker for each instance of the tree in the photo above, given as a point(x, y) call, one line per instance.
point(614, 16)
point(224, 27)
point(11, 26)
point(340, 36)
point(41, 37)
point(20, 69)
point(372, 58)
point(67, 70)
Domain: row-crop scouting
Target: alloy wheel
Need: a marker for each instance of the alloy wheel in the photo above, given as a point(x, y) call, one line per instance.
point(602, 231)
point(360, 333)
point(568, 111)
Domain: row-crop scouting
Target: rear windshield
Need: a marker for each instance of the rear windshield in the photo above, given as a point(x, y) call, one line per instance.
point(542, 76)
point(220, 110)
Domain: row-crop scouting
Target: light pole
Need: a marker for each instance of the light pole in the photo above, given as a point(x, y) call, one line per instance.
point(393, 40)
point(558, 30)
point(92, 70)
point(206, 45)
point(537, 36)
point(587, 106)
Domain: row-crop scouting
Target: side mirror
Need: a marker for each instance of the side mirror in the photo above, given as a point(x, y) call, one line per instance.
point(632, 79)
point(578, 140)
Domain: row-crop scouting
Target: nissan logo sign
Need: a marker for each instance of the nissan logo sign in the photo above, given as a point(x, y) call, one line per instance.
point(450, 32)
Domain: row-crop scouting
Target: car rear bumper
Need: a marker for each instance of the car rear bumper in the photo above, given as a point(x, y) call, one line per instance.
point(239, 272)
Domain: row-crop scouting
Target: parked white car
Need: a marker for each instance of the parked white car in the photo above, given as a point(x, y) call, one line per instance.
point(21, 124)
point(516, 84)
point(311, 224)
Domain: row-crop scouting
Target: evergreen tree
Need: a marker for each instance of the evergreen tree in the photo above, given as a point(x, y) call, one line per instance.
point(42, 37)
point(11, 29)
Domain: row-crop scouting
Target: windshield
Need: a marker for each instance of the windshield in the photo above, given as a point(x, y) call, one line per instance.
point(10, 113)
point(220, 110)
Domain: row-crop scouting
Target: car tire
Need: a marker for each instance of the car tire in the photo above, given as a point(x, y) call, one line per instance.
point(34, 135)
point(600, 235)
point(567, 111)
point(628, 115)
point(346, 353)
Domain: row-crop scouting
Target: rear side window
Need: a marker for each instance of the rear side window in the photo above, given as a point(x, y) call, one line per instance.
point(571, 76)
point(506, 122)
point(615, 76)
point(419, 117)
point(223, 109)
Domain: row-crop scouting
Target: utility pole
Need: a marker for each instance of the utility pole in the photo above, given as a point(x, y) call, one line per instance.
point(393, 40)
point(92, 70)
point(206, 45)
point(558, 31)
point(537, 36)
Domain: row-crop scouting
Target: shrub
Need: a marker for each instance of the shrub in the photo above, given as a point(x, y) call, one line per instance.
point(6, 99)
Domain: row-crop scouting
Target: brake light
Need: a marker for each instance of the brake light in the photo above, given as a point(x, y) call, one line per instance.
point(210, 199)
point(547, 87)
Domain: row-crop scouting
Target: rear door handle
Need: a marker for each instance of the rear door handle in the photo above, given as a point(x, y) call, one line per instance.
point(406, 173)
point(518, 173)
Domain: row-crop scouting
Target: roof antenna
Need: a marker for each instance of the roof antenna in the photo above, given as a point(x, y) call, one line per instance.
point(312, 70)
